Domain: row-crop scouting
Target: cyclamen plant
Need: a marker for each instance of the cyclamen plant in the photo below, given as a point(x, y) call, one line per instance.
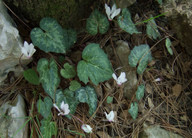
point(94, 66)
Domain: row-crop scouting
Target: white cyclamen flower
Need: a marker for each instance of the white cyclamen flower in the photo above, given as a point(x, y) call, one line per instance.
point(86, 128)
point(111, 13)
point(121, 79)
point(28, 49)
point(64, 108)
point(111, 116)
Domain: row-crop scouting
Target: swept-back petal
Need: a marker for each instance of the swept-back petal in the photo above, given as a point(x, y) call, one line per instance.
point(115, 13)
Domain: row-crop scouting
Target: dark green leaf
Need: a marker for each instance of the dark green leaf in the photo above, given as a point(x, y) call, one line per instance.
point(109, 99)
point(87, 95)
point(74, 85)
point(168, 46)
point(152, 30)
point(125, 22)
point(140, 92)
point(48, 128)
point(44, 107)
point(49, 77)
point(31, 76)
point(94, 66)
point(68, 97)
point(140, 55)
point(68, 72)
point(97, 22)
point(51, 37)
point(133, 110)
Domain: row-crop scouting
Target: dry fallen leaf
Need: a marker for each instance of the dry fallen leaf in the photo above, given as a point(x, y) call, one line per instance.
point(148, 88)
point(151, 105)
point(184, 118)
point(176, 89)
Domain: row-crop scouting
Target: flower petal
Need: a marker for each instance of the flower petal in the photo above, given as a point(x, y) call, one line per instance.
point(113, 8)
point(65, 108)
point(86, 128)
point(108, 11)
point(114, 76)
point(115, 13)
point(56, 107)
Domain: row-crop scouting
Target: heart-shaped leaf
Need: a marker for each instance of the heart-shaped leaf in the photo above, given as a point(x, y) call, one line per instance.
point(49, 77)
point(74, 85)
point(140, 55)
point(140, 92)
point(152, 30)
point(97, 22)
point(125, 22)
point(31, 76)
point(48, 128)
point(51, 37)
point(68, 72)
point(44, 107)
point(94, 66)
point(87, 95)
point(133, 110)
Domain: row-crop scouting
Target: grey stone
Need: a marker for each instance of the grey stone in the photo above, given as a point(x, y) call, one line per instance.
point(156, 131)
point(10, 46)
point(13, 118)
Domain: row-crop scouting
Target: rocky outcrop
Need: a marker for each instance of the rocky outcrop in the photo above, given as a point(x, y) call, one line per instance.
point(180, 16)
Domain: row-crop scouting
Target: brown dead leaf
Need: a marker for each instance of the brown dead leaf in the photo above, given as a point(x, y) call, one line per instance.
point(184, 118)
point(103, 134)
point(148, 88)
point(176, 89)
point(151, 105)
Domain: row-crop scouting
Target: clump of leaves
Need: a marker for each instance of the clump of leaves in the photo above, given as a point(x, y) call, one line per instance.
point(51, 37)
point(97, 22)
point(125, 22)
point(140, 55)
point(73, 98)
point(68, 72)
point(94, 66)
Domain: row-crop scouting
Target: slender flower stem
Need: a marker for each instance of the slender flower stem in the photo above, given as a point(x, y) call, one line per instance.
point(77, 118)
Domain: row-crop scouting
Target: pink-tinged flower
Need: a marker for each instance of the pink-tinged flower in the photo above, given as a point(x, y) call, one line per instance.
point(28, 49)
point(111, 13)
point(64, 108)
point(86, 128)
point(111, 116)
point(121, 79)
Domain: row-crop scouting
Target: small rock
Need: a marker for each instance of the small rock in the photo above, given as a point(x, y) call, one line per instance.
point(13, 118)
